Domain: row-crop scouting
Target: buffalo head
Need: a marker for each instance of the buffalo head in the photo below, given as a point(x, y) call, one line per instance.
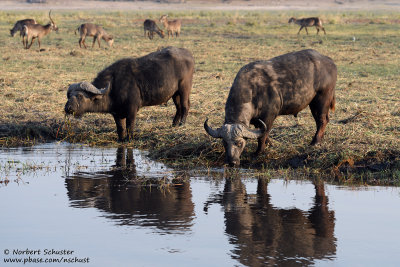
point(85, 97)
point(234, 138)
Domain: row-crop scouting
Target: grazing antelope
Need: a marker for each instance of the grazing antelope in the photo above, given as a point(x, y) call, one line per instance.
point(308, 22)
point(19, 26)
point(151, 27)
point(33, 31)
point(89, 29)
point(173, 26)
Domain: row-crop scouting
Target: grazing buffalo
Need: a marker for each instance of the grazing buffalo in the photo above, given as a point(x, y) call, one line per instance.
point(263, 90)
point(132, 83)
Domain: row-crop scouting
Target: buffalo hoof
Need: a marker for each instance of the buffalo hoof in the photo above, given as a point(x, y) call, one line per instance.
point(259, 151)
point(124, 140)
point(234, 164)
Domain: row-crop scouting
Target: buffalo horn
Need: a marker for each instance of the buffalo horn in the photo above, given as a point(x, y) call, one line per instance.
point(211, 131)
point(105, 89)
point(74, 87)
point(257, 133)
point(88, 87)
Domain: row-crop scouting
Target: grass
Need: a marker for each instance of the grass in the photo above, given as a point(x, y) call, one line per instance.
point(362, 141)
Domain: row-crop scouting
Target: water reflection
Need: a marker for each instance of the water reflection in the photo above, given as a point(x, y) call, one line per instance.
point(168, 209)
point(208, 221)
point(263, 234)
point(260, 233)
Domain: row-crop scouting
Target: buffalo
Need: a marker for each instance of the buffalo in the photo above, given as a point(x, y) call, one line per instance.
point(131, 83)
point(263, 90)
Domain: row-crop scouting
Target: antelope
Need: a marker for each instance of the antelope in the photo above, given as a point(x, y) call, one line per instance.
point(308, 22)
point(173, 26)
point(33, 31)
point(151, 27)
point(19, 26)
point(89, 29)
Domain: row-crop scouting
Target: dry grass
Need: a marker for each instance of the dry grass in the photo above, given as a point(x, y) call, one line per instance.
point(361, 141)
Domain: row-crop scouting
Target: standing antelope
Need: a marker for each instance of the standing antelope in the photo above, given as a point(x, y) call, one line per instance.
point(173, 26)
point(19, 26)
point(151, 27)
point(33, 31)
point(308, 22)
point(89, 29)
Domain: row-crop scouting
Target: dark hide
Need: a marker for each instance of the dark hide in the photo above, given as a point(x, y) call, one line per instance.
point(138, 82)
point(19, 25)
point(284, 85)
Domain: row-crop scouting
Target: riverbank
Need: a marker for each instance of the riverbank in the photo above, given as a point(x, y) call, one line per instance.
point(362, 140)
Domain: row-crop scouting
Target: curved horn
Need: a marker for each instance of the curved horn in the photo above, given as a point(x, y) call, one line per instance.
point(51, 18)
point(105, 89)
point(257, 133)
point(211, 131)
point(88, 87)
point(74, 87)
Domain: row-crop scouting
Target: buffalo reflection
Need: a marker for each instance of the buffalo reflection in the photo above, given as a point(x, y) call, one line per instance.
point(116, 191)
point(266, 235)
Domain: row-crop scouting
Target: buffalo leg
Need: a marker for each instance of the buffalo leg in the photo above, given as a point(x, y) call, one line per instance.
point(185, 87)
point(306, 30)
point(262, 141)
point(185, 105)
point(121, 130)
point(178, 115)
point(130, 124)
point(320, 111)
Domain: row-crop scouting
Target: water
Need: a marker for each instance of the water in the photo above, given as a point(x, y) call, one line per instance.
point(87, 205)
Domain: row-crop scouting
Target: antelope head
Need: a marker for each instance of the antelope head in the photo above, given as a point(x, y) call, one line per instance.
point(53, 24)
